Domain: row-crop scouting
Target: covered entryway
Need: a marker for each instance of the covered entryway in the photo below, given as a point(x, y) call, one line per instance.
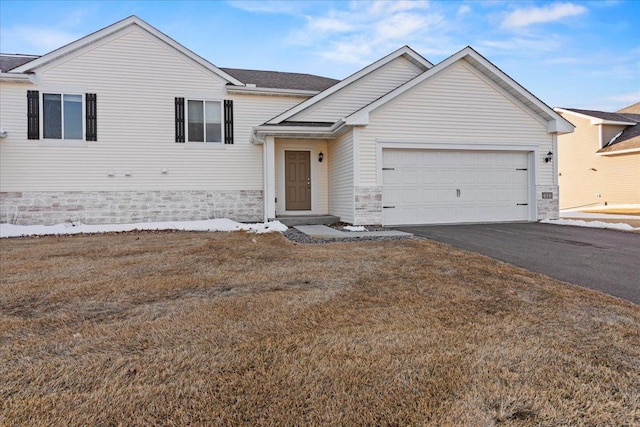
point(455, 186)
point(297, 178)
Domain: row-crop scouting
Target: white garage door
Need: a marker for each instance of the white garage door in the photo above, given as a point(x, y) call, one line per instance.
point(437, 187)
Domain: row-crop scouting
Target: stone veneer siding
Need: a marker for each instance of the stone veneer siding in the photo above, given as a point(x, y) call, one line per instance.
point(368, 205)
point(112, 207)
point(547, 208)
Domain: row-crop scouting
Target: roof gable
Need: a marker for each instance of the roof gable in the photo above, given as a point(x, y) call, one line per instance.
point(492, 74)
point(405, 51)
point(80, 45)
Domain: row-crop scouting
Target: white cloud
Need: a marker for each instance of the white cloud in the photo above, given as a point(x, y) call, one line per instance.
point(521, 18)
point(269, 6)
point(627, 98)
point(37, 40)
point(328, 24)
point(464, 9)
point(399, 26)
point(386, 7)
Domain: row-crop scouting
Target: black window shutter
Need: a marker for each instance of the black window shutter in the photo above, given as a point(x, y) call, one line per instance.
point(179, 119)
point(91, 117)
point(228, 121)
point(33, 114)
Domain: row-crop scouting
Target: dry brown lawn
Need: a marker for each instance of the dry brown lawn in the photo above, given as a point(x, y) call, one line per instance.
point(241, 329)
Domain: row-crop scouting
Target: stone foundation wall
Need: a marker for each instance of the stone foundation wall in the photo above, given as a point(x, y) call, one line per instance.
point(112, 207)
point(368, 206)
point(547, 208)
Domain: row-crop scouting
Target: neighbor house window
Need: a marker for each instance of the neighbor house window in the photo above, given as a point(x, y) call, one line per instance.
point(62, 116)
point(204, 119)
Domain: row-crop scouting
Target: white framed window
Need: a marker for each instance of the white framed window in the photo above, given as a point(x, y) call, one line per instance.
point(204, 121)
point(62, 116)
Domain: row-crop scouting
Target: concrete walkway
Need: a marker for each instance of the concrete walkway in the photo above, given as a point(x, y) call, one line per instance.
point(324, 232)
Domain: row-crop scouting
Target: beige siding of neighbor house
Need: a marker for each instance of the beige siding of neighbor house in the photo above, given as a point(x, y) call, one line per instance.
point(341, 177)
point(583, 174)
point(455, 107)
point(360, 93)
point(136, 78)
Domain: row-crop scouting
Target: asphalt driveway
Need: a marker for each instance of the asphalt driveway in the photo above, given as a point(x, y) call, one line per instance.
point(605, 260)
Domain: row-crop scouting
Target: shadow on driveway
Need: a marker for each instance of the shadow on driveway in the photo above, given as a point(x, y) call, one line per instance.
point(604, 260)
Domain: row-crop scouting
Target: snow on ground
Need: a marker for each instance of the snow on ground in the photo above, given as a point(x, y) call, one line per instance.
point(354, 228)
point(591, 224)
point(11, 230)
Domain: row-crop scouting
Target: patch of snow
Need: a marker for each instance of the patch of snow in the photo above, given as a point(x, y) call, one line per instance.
point(590, 224)
point(11, 230)
point(354, 228)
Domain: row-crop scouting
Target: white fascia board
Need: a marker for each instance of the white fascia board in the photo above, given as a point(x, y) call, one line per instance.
point(244, 90)
point(411, 55)
point(17, 77)
point(115, 28)
point(259, 133)
point(613, 153)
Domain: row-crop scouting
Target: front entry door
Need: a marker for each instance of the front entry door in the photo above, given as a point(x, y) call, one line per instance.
point(297, 178)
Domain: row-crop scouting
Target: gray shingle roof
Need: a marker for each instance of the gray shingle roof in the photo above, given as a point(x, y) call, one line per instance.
point(9, 61)
point(602, 115)
point(281, 80)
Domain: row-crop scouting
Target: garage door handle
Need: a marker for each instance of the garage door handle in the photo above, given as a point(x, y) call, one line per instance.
point(458, 192)
point(523, 169)
point(388, 169)
point(388, 207)
point(522, 204)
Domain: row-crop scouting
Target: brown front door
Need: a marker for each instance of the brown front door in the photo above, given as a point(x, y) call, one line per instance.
point(297, 179)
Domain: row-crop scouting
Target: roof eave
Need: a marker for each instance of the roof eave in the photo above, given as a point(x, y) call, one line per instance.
point(306, 132)
point(247, 90)
point(16, 77)
point(615, 152)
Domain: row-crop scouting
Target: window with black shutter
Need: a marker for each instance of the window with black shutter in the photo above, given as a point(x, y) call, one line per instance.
point(91, 117)
point(33, 114)
point(228, 121)
point(179, 105)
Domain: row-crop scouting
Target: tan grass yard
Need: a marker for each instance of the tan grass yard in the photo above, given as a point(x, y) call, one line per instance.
point(242, 329)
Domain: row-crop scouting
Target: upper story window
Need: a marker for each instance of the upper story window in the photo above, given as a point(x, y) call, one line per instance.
point(61, 116)
point(204, 120)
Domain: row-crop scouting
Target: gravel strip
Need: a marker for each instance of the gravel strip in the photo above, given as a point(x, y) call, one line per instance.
point(299, 237)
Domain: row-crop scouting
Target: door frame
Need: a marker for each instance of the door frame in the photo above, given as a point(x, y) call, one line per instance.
point(280, 193)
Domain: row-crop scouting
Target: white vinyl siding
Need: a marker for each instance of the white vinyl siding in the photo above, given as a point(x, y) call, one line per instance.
point(136, 78)
point(454, 107)
point(360, 93)
point(341, 188)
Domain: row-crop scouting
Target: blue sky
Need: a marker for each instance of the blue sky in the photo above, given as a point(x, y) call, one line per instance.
point(569, 53)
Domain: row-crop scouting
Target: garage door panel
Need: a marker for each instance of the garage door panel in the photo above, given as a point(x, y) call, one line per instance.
point(429, 186)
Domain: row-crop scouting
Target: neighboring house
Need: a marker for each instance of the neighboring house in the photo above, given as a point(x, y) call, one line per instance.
point(599, 164)
point(128, 125)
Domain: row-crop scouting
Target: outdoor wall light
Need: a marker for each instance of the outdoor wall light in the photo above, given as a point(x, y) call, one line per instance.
point(320, 157)
point(549, 157)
